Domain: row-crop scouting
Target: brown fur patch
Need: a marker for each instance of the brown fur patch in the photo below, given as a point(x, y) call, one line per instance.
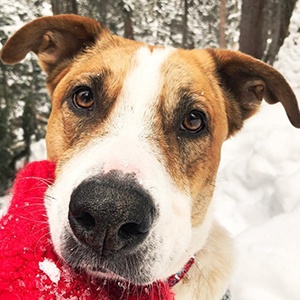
point(192, 162)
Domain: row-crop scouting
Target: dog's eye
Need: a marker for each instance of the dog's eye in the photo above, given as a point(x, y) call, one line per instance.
point(193, 122)
point(83, 98)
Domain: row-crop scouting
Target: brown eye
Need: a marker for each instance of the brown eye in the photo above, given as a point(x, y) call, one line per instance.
point(193, 122)
point(83, 98)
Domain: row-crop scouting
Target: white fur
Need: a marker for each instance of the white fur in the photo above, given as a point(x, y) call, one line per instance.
point(128, 147)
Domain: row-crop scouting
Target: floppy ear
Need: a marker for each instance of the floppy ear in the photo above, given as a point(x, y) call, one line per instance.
point(54, 39)
point(245, 81)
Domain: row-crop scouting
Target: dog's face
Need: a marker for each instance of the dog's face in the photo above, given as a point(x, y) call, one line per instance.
point(141, 145)
point(136, 132)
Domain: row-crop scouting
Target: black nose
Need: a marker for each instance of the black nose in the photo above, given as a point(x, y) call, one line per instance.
point(111, 212)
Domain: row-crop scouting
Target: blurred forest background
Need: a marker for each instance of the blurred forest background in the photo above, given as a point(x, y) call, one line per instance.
point(256, 27)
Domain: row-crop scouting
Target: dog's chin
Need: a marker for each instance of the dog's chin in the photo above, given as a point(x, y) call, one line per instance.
point(129, 267)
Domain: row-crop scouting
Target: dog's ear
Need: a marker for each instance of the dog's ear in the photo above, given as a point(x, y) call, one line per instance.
point(53, 39)
point(245, 81)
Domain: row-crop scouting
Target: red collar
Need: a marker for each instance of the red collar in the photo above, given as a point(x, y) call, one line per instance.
point(174, 279)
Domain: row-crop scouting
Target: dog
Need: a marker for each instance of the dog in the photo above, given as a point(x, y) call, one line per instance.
point(136, 131)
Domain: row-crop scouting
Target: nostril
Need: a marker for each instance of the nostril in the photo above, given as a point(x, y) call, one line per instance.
point(132, 229)
point(85, 220)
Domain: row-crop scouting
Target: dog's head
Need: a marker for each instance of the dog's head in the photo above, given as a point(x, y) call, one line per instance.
point(136, 132)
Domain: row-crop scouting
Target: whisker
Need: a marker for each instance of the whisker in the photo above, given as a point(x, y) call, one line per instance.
point(31, 219)
point(45, 181)
point(40, 239)
point(50, 197)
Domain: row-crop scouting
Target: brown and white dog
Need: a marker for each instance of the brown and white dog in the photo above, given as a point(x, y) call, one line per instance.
point(136, 131)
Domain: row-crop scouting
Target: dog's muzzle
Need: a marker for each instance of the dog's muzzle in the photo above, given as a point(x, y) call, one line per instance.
point(111, 213)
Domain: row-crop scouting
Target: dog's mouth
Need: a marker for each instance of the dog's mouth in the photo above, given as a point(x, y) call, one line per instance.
point(103, 272)
point(131, 266)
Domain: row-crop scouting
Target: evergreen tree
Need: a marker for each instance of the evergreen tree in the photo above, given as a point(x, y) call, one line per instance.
point(22, 96)
point(179, 23)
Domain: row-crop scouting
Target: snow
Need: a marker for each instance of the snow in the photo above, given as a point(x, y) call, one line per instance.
point(269, 265)
point(50, 269)
point(38, 150)
point(4, 204)
point(257, 200)
point(257, 194)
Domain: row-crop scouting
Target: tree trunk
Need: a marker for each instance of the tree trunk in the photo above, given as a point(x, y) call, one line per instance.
point(251, 27)
point(73, 7)
point(279, 30)
point(127, 16)
point(64, 7)
point(128, 29)
point(222, 41)
point(264, 26)
point(185, 24)
point(103, 11)
point(55, 7)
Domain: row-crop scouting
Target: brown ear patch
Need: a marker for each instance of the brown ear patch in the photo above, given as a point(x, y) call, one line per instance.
point(53, 39)
point(245, 81)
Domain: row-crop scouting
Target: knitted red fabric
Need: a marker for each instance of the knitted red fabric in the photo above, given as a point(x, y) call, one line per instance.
point(29, 268)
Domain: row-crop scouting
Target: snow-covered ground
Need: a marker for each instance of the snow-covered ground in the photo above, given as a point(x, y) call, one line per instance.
point(258, 200)
point(258, 194)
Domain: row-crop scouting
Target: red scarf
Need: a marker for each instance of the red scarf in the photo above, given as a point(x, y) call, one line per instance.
point(29, 267)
